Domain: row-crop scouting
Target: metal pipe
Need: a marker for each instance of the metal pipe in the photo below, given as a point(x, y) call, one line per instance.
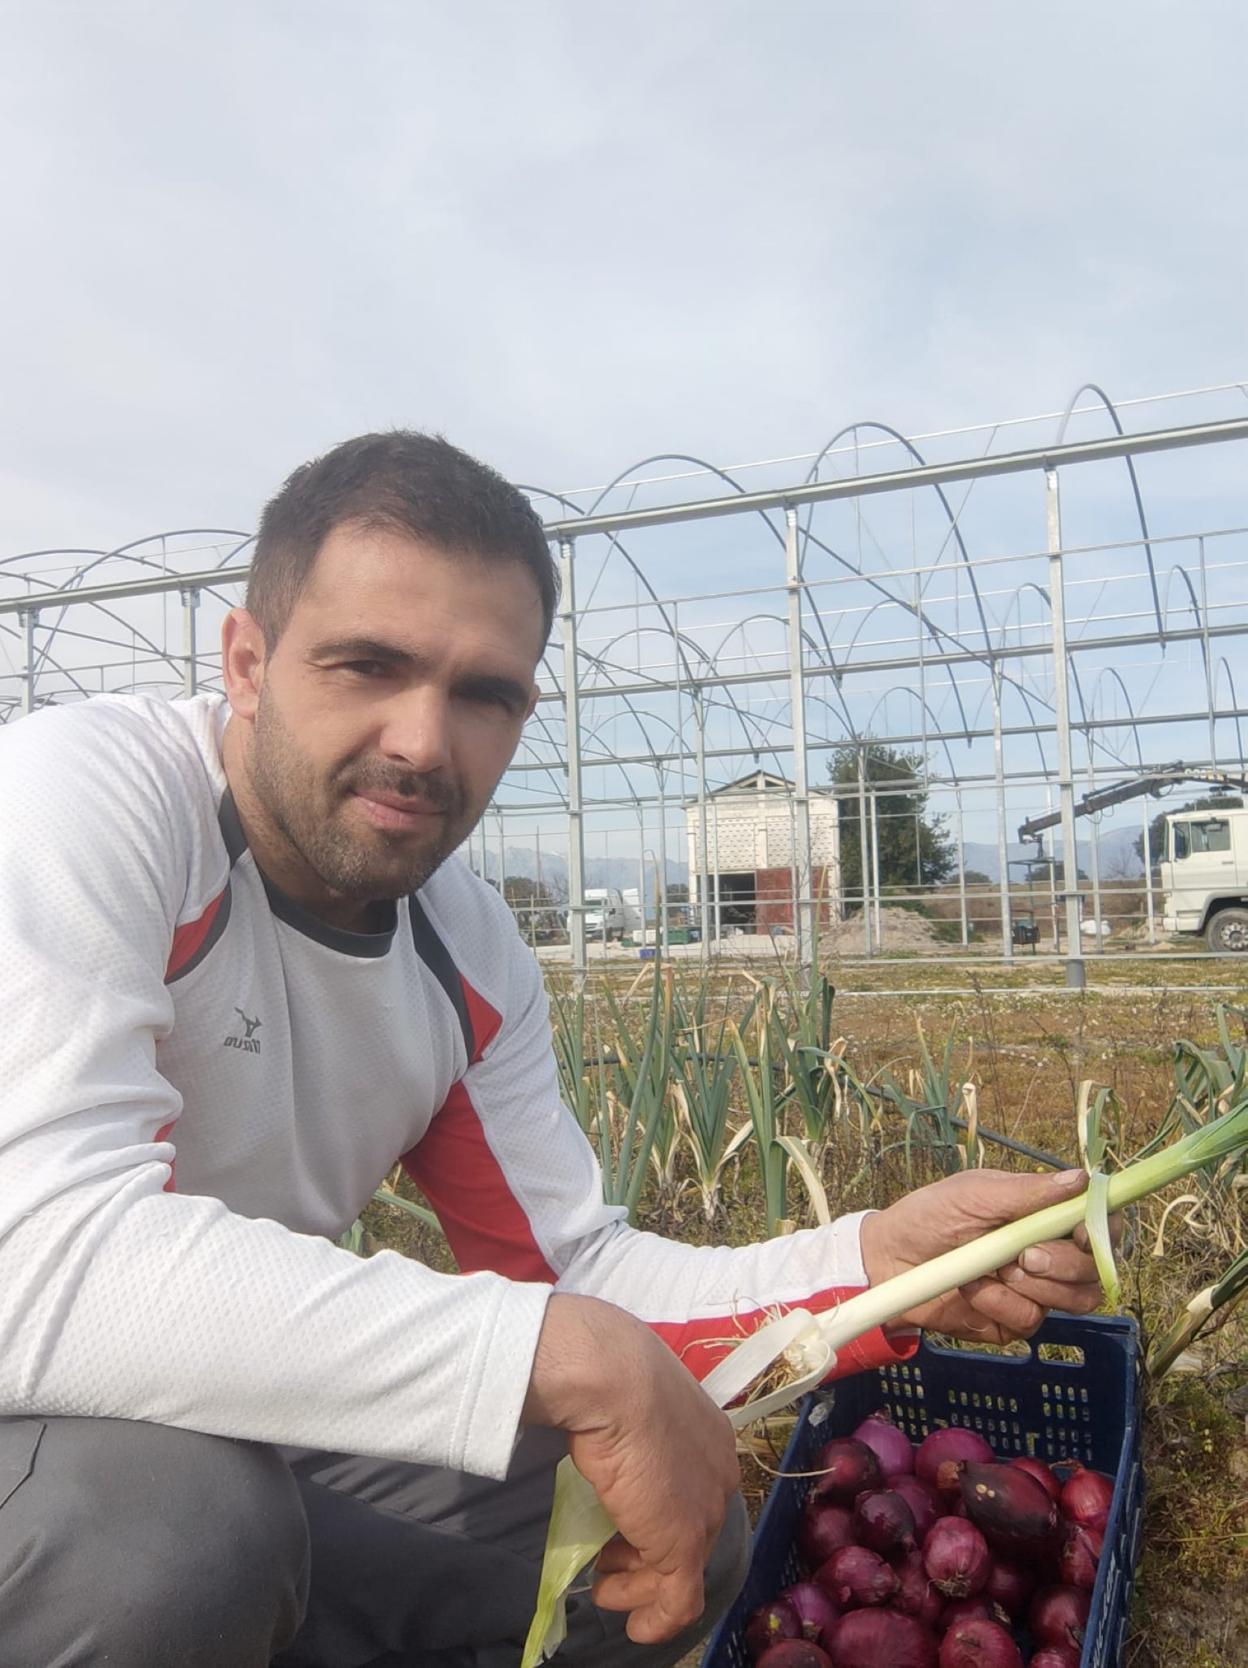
point(572, 720)
point(803, 919)
point(1076, 975)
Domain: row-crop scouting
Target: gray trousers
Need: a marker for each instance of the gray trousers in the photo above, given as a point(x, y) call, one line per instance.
point(141, 1546)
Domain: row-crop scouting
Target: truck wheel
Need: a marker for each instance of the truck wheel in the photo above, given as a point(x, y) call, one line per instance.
point(1227, 932)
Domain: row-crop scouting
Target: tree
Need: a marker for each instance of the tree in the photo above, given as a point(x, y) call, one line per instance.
point(915, 847)
point(1157, 828)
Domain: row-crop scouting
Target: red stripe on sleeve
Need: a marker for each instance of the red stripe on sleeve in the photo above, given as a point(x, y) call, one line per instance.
point(702, 1343)
point(458, 1173)
point(188, 938)
point(485, 1020)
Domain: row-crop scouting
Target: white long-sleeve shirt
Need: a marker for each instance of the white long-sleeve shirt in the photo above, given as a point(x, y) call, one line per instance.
point(201, 1085)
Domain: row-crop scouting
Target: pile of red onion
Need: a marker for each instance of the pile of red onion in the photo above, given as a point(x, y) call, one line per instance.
point(939, 1556)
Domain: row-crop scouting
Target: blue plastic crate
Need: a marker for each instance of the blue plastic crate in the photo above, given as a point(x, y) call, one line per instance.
point(1086, 1410)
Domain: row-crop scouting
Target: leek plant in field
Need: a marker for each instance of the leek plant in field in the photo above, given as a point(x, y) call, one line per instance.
point(705, 1066)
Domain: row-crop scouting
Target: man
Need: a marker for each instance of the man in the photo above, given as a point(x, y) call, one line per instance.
point(240, 981)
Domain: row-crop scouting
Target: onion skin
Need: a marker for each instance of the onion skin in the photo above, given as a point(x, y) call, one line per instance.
point(942, 1451)
point(966, 1610)
point(1058, 1615)
point(1009, 1586)
point(881, 1639)
point(1044, 1474)
point(884, 1522)
point(1086, 1497)
point(815, 1610)
point(795, 1653)
point(769, 1624)
point(956, 1557)
point(822, 1530)
point(1056, 1656)
point(1010, 1508)
point(916, 1596)
point(892, 1447)
point(979, 1644)
point(923, 1501)
point(1079, 1555)
point(848, 1467)
point(855, 1576)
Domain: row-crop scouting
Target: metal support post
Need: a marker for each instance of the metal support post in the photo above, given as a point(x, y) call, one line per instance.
point(703, 864)
point(662, 924)
point(864, 846)
point(30, 619)
point(1003, 849)
point(1076, 973)
point(1148, 875)
point(190, 667)
point(803, 902)
point(875, 865)
point(572, 725)
point(962, 915)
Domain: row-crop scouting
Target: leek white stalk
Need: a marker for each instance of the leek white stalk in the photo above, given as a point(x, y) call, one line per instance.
point(579, 1528)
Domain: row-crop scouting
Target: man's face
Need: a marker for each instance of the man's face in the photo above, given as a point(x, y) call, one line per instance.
point(389, 708)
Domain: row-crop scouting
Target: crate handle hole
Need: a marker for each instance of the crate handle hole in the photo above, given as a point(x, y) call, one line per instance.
point(1069, 1355)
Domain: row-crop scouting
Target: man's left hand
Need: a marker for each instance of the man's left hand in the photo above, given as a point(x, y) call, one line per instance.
point(1010, 1303)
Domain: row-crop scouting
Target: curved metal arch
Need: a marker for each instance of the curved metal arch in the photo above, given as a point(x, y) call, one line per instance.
point(1196, 610)
point(922, 701)
point(895, 434)
point(1086, 709)
point(1024, 695)
point(807, 639)
point(1225, 665)
point(896, 602)
point(1092, 388)
point(614, 543)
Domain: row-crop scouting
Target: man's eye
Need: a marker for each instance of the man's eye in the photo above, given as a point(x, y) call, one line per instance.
point(366, 668)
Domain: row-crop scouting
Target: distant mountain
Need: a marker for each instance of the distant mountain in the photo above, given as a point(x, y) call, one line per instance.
point(1116, 849)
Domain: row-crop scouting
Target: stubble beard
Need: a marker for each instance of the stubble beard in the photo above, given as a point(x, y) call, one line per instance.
point(307, 810)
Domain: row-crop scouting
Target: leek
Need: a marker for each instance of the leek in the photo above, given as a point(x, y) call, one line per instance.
point(809, 1343)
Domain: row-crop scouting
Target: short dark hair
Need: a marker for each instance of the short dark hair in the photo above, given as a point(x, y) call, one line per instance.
point(415, 483)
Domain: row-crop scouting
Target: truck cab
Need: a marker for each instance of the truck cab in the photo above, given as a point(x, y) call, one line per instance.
point(610, 913)
point(1204, 875)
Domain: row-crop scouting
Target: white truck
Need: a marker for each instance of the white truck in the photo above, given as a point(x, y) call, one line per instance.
point(1204, 877)
point(1204, 867)
point(610, 913)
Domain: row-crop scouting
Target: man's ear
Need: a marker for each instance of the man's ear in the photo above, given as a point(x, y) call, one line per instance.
point(242, 661)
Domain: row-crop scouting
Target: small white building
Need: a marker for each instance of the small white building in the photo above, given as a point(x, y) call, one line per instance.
point(748, 860)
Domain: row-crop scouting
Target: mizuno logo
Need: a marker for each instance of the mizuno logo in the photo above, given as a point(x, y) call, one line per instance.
point(248, 1043)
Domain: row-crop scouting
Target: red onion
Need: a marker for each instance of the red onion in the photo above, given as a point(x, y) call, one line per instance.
point(815, 1609)
point(979, 1644)
point(769, 1624)
point(940, 1452)
point(822, 1529)
point(1058, 1615)
point(1009, 1586)
point(974, 1609)
point(794, 1653)
point(847, 1467)
point(883, 1521)
point(892, 1447)
point(916, 1596)
point(856, 1576)
point(1079, 1555)
point(1011, 1508)
point(956, 1557)
point(1056, 1656)
point(881, 1639)
point(1041, 1472)
point(1086, 1497)
point(922, 1500)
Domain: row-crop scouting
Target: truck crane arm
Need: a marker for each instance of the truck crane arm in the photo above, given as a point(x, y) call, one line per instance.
point(1154, 783)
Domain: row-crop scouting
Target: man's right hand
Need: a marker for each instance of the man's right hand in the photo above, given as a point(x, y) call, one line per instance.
point(660, 1456)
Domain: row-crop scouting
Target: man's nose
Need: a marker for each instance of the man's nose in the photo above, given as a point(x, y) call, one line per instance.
point(417, 731)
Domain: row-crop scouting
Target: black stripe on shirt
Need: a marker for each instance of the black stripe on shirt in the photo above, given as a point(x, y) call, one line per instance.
point(437, 958)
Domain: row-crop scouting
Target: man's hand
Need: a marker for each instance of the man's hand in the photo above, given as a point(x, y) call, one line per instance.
point(659, 1453)
point(1010, 1303)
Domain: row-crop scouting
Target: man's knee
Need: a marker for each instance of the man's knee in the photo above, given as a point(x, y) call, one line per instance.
point(154, 1544)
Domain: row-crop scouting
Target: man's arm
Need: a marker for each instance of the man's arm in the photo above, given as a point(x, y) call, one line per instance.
point(120, 1298)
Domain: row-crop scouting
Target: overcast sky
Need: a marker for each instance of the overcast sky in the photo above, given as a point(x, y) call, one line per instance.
point(571, 235)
